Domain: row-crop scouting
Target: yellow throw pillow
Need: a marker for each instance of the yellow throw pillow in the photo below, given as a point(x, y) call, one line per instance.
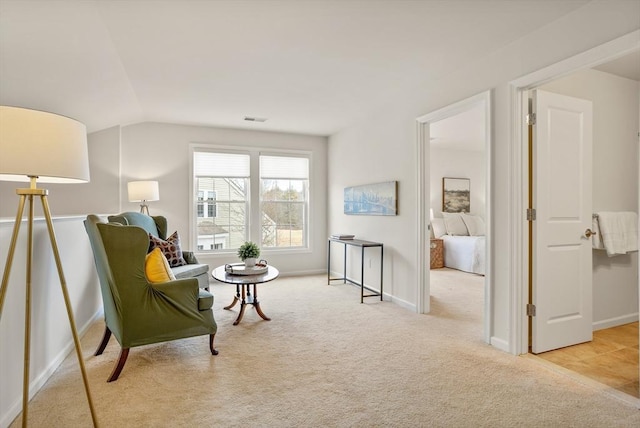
point(156, 267)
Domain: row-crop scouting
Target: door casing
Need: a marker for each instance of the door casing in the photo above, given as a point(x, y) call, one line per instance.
point(519, 292)
point(424, 202)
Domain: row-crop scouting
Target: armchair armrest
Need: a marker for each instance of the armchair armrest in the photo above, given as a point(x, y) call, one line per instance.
point(180, 292)
point(190, 257)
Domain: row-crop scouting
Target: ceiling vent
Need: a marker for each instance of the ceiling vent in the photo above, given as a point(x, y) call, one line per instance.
point(255, 119)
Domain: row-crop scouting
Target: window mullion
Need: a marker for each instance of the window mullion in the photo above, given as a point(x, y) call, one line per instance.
point(254, 225)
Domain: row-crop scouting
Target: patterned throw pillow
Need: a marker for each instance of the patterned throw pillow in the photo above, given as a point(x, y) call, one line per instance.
point(156, 267)
point(170, 248)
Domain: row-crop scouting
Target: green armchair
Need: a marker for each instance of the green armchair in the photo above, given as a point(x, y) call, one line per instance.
point(136, 311)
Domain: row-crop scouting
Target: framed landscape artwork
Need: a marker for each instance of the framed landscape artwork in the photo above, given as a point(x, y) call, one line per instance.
point(456, 195)
point(371, 199)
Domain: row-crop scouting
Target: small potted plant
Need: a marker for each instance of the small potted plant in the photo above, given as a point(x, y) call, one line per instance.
point(248, 253)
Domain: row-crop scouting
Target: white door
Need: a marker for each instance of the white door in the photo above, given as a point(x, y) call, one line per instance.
point(562, 269)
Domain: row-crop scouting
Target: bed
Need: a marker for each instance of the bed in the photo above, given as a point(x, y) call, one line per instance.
point(465, 253)
point(464, 241)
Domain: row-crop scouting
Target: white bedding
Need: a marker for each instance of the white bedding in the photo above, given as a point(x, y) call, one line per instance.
point(465, 253)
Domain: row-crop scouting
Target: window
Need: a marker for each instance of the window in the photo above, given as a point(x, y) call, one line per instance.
point(224, 178)
point(284, 201)
point(227, 213)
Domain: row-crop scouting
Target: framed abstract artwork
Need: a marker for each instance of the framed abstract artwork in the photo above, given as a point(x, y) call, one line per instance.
point(372, 199)
point(456, 195)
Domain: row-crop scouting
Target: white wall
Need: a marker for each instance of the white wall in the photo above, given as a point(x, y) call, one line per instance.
point(459, 164)
point(387, 140)
point(156, 151)
point(615, 183)
point(51, 338)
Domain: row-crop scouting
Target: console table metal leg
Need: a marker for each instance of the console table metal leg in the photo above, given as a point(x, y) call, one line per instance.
point(329, 262)
point(381, 265)
point(344, 275)
point(362, 275)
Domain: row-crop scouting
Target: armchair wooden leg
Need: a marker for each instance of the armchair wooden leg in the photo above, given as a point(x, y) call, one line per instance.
point(213, 350)
point(124, 353)
point(104, 342)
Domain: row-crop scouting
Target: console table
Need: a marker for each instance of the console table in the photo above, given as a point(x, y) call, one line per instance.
point(362, 244)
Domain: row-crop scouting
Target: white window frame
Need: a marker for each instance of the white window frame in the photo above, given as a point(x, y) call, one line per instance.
point(254, 210)
point(305, 237)
point(194, 198)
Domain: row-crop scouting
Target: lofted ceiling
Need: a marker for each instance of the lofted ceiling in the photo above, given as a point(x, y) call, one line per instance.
point(310, 67)
point(627, 66)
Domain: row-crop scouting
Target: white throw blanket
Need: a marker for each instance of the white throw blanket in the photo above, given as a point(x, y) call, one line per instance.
point(596, 240)
point(619, 231)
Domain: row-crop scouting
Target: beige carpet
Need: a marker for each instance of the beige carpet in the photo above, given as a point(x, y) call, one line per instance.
point(327, 360)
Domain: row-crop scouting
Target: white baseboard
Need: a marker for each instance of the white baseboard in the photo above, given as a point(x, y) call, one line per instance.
point(615, 322)
point(303, 272)
point(500, 344)
point(400, 302)
point(42, 378)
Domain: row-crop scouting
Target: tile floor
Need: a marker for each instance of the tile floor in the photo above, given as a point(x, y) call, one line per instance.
point(611, 358)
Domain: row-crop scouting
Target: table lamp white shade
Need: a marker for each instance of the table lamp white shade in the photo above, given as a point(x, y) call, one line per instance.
point(39, 144)
point(143, 191)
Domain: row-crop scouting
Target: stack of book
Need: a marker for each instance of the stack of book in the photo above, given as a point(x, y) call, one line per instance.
point(342, 236)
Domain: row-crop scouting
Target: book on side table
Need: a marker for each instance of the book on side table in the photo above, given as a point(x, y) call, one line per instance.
point(342, 236)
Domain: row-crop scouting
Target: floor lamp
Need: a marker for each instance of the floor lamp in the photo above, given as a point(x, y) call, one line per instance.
point(143, 191)
point(40, 146)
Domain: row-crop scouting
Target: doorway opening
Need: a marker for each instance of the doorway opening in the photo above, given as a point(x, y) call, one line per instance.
point(454, 146)
point(616, 169)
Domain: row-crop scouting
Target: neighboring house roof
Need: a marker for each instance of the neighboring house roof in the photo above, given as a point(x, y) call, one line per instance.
point(213, 229)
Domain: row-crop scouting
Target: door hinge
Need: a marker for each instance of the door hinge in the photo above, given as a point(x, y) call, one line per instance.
point(531, 119)
point(531, 214)
point(531, 310)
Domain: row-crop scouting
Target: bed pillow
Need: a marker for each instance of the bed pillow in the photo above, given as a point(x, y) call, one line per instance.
point(454, 224)
point(474, 223)
point(438, 228)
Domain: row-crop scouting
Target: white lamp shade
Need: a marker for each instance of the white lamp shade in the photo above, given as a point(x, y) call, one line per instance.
point(45, 145)
point(143, 191)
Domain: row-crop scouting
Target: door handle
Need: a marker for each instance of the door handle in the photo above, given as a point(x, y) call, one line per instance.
point(588, 233)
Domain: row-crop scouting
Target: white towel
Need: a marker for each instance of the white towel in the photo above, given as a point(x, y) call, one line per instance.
point(619, 231)
point(596, 239)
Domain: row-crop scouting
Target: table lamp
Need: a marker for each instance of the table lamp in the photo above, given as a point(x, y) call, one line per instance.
point(46, 147)
point(143, 191)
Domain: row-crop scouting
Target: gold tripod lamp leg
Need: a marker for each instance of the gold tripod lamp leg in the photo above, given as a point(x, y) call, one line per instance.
point(30, 193)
